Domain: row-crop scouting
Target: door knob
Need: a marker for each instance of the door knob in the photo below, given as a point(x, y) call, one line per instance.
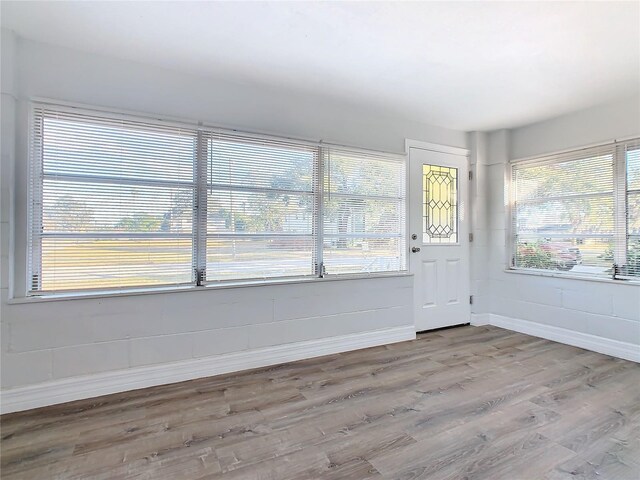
point(415, 249)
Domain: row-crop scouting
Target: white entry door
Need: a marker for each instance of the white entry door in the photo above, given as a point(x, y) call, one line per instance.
point(439, 237)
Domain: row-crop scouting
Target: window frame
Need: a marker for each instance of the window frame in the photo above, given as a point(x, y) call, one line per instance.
point(22, 278)
point(327, 193)
point(36, 190)
point(205, 187)
point(620, 237)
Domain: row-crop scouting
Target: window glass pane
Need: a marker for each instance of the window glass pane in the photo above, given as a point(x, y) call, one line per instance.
point(259, 212)
point(260, 164)
point(363, 255)
point(363, 213)
point(260, 208)
point(246, 258)
point(563, 214)
point(86, 263)
point(633, 213)
point(633, 191)
point(633, 169)
point(81, 144)
point(363, 174)
point(562, 179)
point(349, 215)
point(633, 256)
point(440, 204)
point(632, 267)
point(82, 207)
point(553, 218)
point(111, 203)
point(584, 256)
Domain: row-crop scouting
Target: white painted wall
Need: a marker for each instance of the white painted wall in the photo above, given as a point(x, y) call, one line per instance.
point(479, 201)
point(610, 312)
point(617, 120)
point(61, 340)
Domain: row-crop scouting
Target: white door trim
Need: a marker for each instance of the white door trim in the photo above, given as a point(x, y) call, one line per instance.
point(434, 147)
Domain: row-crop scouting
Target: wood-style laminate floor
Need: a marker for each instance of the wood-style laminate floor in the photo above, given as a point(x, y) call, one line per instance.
point(464, 403)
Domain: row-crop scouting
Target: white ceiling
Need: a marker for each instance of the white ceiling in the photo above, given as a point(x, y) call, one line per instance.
point(467, 66)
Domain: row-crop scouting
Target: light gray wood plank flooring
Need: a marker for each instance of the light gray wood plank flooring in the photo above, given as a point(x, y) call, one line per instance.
point(463, 403)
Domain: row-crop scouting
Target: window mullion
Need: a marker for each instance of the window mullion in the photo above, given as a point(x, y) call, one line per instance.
point(620, 206)
point(200, 211)
point(318, 222)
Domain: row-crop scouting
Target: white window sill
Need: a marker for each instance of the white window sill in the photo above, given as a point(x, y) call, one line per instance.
point(191, 288)
point(568, 276)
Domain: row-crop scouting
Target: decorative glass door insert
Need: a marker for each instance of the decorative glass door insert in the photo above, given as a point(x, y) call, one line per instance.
point(440, 204)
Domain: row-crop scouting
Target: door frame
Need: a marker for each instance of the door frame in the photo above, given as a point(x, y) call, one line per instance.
point(439, 148)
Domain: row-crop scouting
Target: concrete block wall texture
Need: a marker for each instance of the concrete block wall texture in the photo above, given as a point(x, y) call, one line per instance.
point(479, 198)
point(606, 310)
point(66, 339)
point(61, 339)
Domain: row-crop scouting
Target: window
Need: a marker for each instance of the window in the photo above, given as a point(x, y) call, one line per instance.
point(632, 155)
point(574, 212)
point(439, 204)
point(363, 212)
point(260, 208)
point(111, 203)
point(118, 203)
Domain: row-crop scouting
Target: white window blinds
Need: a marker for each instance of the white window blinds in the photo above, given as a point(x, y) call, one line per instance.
point(111, 203)
point(261, 208)
point(117, 202)
point(632, 156)
point(569, 212)
point(363, 212)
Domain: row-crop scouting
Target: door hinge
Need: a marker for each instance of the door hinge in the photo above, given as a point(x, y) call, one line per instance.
point(470, 299)
point(470, 175)
point(320, 270)
point(471, 237)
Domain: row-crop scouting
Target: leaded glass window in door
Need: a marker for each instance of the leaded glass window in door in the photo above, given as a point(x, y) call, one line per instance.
point(440, 204)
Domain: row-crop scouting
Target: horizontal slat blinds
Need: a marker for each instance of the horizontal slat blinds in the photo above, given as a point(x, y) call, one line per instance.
point(579, 212)
point(363, 212)
point(111, 202)
point(632, 157)
point(563, 212)
point(118, 202)
point(261, 207)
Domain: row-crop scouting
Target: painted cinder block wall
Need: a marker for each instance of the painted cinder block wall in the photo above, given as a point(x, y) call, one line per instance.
point(59, 340)
point(479, 247)
point(606, 310)
point(77, 339)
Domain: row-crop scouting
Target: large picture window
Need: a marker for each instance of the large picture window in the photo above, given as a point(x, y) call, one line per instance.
point(363, 212)
point(260, 208)
point(574, 213)
point(111, 203)
point(118, 203)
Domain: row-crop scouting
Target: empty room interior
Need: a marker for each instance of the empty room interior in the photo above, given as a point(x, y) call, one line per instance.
point(288, 240)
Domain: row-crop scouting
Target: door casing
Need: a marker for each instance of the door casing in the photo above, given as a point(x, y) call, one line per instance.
point(463, 313)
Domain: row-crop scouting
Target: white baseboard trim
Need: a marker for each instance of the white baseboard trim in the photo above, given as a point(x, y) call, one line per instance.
point(480, 319)
point(615, 348)
point(88, 386)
